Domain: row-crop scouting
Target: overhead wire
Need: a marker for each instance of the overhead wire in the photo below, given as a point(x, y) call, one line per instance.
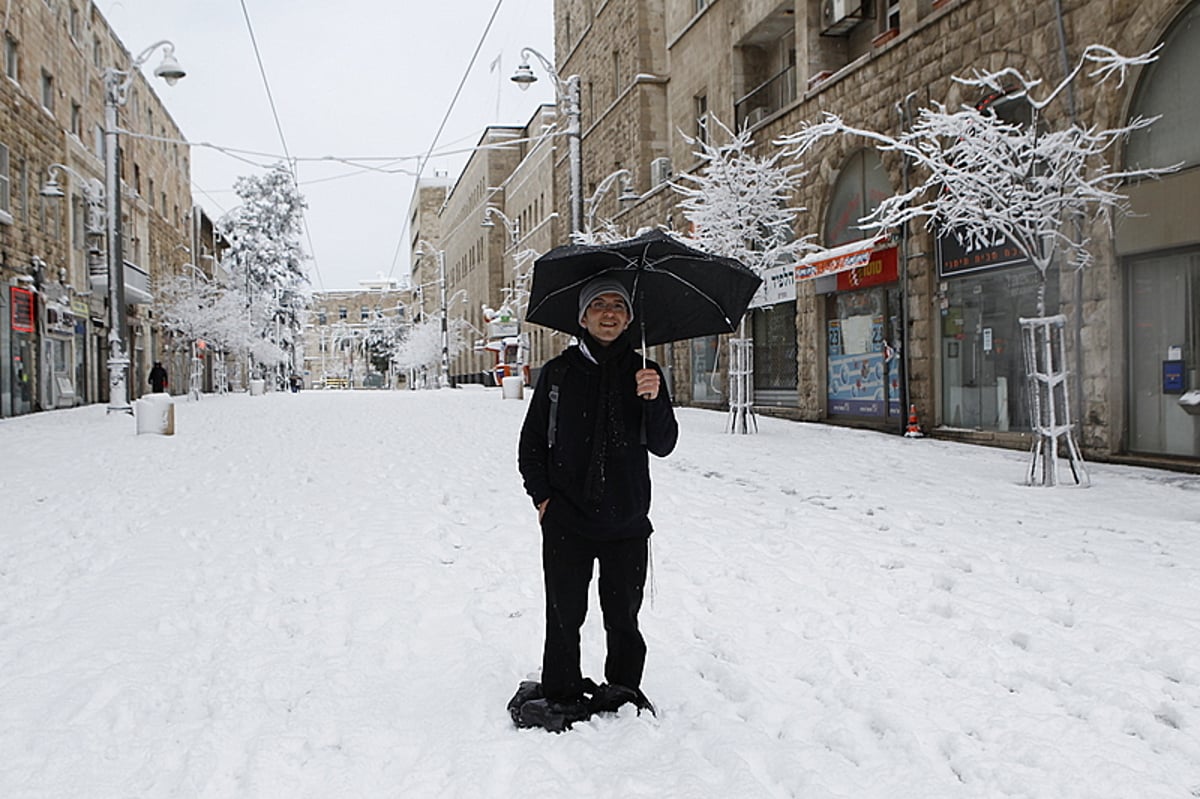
point(282, 139)
point(441, 127)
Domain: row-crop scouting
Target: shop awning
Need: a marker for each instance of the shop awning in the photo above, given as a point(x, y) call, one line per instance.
point(838, 259)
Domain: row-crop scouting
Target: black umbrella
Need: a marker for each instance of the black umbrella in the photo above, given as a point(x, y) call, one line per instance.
point(678, 292)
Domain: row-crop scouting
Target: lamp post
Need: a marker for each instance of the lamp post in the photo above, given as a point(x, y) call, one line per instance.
point(627, 194)
point(441, 281)
point(116, 94)
point(567, 94)
point(511, 226)
point(93, 194)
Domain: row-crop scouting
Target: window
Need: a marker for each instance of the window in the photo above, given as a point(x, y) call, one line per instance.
point(701, 107)
point(891, 15)
point(861, 186)
point(76, 120)
point(342, 314)
point(97, 58)
point(10, 57)
point(5, 184)
point(73, 23)
point(1162, 92)
point(775, 366)
point(701, 5)
point(47, 91)
point(364, 313)
point(98, 141)
point(616, 73)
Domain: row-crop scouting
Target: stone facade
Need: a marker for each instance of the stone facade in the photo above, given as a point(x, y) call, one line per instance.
point(337, 333)
point(656, 72)
point(53, 113)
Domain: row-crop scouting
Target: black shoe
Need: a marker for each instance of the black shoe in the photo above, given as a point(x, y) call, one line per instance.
point(551, 715)
point(609, 698)
point(526, 692)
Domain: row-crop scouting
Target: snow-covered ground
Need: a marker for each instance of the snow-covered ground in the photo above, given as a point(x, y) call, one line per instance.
point(335, 594)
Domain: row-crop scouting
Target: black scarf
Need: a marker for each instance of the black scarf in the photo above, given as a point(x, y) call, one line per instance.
point(609, 435)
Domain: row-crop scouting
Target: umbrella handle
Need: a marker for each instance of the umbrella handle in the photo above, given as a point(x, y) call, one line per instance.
point(642, 320)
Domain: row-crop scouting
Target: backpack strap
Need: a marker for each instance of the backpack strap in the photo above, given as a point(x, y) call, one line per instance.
point(550, 431)
point(556, 378)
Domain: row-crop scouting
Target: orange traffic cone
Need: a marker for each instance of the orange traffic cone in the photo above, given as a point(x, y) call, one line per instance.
point(913, 430)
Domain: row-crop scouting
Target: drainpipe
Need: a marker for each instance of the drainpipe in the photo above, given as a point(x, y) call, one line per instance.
point(904, 115)
point(1073, 113)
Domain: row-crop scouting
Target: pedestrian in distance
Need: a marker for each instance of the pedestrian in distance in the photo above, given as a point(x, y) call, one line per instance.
point(158, 378)
point(598, 411)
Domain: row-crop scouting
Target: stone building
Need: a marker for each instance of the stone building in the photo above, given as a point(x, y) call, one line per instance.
point(919, 325)
point(495, 218)
point(346, 334)
point(53, 345)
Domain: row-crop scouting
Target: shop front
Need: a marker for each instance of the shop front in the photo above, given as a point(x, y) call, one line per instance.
point(21, 375)
point(1159, 247)
point(771, 321)
point(982, 295)
point(859, 286)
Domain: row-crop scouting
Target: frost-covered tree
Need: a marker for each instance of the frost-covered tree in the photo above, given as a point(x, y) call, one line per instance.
point(739, 204)
point(266, 259)
point(987, 180)
point(420, 350)
point(197, 309)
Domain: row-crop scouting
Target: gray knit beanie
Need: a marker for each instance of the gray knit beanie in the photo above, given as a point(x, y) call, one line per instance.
point(602, 285)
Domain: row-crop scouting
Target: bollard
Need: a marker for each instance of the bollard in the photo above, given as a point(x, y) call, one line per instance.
point(155, 414)
point(512, 387)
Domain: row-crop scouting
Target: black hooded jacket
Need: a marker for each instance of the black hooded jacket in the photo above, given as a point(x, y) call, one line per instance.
point(618, 507)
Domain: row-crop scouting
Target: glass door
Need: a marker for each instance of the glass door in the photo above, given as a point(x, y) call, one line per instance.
point(1164, 352)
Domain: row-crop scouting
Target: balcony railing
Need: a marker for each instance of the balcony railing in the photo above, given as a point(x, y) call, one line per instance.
point(765, 99)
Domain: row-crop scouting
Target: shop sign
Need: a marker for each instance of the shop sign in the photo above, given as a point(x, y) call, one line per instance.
point(22, 309)
point(854, 255)
point(884, 267)
point(778, 285)
point(958, 258)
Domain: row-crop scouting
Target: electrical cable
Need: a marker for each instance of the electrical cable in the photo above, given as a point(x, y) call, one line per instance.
point(283, 141)
point(446, 118)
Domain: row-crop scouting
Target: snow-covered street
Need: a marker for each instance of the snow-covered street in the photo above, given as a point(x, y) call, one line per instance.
point(334, 594)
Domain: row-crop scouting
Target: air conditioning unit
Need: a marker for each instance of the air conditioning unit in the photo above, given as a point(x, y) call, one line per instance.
point(660, 171)
point(838, 17)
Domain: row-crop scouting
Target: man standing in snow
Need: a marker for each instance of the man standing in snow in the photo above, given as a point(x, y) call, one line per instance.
point(597, 411)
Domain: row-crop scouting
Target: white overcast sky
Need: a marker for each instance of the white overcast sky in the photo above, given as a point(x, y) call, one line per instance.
point(355, 78)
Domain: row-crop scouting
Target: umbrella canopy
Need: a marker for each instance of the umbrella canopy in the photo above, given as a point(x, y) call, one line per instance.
point(678, 292)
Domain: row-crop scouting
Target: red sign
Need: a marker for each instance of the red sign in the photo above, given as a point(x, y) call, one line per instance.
point(22, 309)
point(843, 258)
point(884, 267)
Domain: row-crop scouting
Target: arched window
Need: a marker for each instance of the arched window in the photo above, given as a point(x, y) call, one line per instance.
point(861, 186)
point(1167, 89)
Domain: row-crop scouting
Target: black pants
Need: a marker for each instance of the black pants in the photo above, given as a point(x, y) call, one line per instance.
point(567, 560)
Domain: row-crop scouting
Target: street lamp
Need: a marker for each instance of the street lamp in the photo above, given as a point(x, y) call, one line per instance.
point(116, 94)
point(441, 262)
point(627, 193)
point(93, 194)
point(512, 226)
point(567, 94)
